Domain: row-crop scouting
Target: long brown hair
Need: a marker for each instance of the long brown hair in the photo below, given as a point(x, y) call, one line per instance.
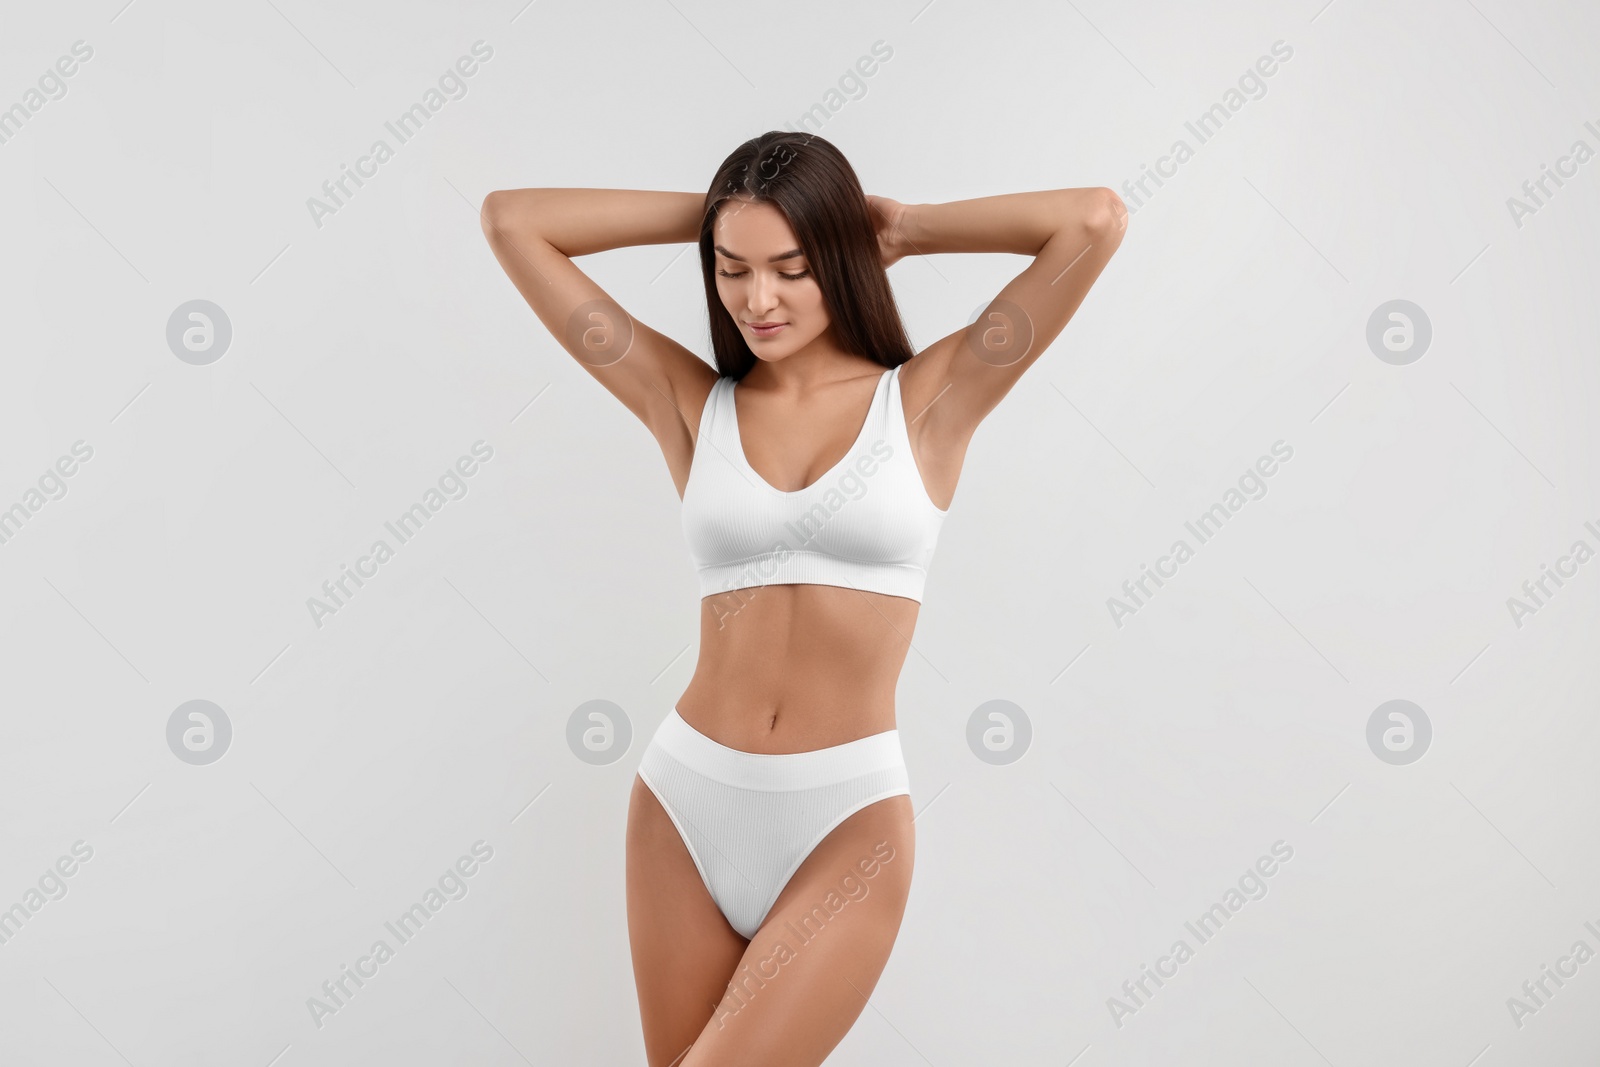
point(811, 182)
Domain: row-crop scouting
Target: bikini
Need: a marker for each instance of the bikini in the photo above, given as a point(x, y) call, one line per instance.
point(749, 819)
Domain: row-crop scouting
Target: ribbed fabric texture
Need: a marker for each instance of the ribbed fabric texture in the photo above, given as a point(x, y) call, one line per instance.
point(749, 819)
point(866, 524)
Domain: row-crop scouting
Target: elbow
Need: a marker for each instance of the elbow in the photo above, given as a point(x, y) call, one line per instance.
point(1109, 218)
point(506, 212)
point(492, 215)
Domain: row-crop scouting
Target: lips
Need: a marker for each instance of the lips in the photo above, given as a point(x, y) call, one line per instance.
point(765, 329)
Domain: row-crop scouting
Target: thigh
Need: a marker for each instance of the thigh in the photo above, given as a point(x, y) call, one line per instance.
point(683, 948)
point(803, 980)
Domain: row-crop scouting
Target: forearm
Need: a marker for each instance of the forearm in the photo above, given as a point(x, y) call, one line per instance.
point(579, 222)
point(1011, 222)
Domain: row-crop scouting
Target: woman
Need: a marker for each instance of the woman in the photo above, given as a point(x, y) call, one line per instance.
point(769, 839)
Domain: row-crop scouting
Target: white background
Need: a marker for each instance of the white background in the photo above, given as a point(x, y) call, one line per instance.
point(370, 352)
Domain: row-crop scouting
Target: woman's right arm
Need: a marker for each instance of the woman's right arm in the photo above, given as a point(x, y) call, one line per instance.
point(535, 233)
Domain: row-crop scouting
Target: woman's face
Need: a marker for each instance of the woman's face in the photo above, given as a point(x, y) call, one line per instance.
point(758, 288)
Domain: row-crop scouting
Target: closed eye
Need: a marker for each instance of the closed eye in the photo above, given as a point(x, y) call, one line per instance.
point(790, 277)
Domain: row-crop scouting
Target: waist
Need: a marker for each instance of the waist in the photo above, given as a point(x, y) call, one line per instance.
point(794, 667)
point(808, 717)
point(804, 769)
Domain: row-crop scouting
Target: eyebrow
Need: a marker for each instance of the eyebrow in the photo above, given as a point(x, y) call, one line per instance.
point(791, 254)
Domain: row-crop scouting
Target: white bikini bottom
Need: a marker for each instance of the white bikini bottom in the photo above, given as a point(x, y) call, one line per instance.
point(749, 819)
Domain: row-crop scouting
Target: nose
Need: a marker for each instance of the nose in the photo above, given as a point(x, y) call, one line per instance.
point(763, 294)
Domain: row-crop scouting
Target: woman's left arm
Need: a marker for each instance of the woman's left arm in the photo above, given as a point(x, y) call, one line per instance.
point(1071, 235)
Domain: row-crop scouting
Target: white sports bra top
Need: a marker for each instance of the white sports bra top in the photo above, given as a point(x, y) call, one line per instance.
point(866, 524)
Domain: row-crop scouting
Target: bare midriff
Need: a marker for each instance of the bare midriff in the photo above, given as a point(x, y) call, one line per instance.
point(792, 668)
